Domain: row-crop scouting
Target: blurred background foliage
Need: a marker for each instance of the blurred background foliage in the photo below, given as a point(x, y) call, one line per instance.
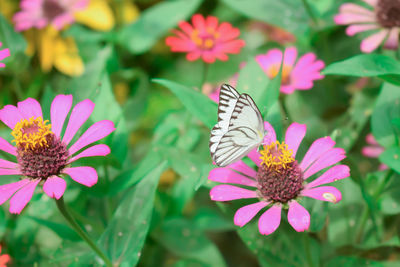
point(151, 206)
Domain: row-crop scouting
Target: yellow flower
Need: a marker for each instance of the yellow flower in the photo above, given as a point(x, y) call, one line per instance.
point(127, 12)
point(98, 16)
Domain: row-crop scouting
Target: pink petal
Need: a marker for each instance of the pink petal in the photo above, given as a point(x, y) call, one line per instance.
point(294, 135)
point(186, 27)
point(298, 217)
point(270, 137)
point(8, 164)
point(372, 42)
point(194, 55)
point(4, 53)
point(372, 3)
point(212, 22)
point(80, 113)
point(270, 220)
point(317, 148)
point(324, 193)
point(199, 22)
point(288, 89)
point(30, 108)
point(10, 172)
point(60, 21)
point(331, 157)
point(246, 213)
point(357, 28)
point(7, 147)
point(347, 18)
point(208, 57)
point(96, 150)
point(54, 187)
point(392, 41)
point(333, 174)
point(370, 139)
point(225, 175)
point(22, 197)
point(95, 132)
point(372, 151)
point(58, 112)
point(226, 192)
point(255, 156)
point(10, 115)
point(243, 168)
point(7, 190)
point(290, 56)
point(83, 175)
point(353, 8)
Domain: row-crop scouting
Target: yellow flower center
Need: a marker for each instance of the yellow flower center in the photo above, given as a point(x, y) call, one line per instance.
point(273, 71)
point(206, 40)
point(32, 133)
point(276, 155)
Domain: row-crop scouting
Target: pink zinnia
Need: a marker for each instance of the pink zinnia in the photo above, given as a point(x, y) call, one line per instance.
point(384, 20)
point(3, 54)
point(40, 13)
point(206, 39)
point(280, 181)
point(4, 259)
point(373, 150)
point(43, 154)
point(298, 75)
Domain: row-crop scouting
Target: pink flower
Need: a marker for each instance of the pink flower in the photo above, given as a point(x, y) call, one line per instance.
point(4, 259)
point(384, 20)
point(373, 150)
point(40, 13)
point(3, 54)
point(43, 154)
point(205, 39)
point(280, 181)
point(295, 75)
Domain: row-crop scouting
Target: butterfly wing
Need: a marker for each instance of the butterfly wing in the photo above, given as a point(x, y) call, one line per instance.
point(244, 132)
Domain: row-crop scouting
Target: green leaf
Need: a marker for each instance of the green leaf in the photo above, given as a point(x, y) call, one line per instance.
point(386, 109)
point(287, 14)
point(364, 65)
point(14, 41)
point(62, 230)
point(154, 23)
point(196, 103)
point(391, 157)
point(183, 239)
point(126, 233)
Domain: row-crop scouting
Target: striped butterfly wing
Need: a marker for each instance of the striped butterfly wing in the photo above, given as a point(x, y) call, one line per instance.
point(245, 132)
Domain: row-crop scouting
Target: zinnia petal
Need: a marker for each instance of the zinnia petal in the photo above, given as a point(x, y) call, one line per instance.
point(83, 175)
point(255, 156)
point(246, 213)
point(294, 135)
point(333, 174)
point(7, 190)
point(243, 168)
point(331, 157)
point(54, 187)
point(58, 112)
point(30, 108)
point(96, 150)
point(372, 42)
point(225, 175)
point(229, 192)
point(22, 197)
point(10, 115)
point(317, 148)
point(298, 217)
point(270, 220)
point(324, 193)
point(7, 147)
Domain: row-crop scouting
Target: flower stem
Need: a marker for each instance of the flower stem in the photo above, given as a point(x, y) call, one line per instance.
point(286, 116)
point(308, 249)
point(64, 211)
point(204, 77)
point(365, 213)
point(310, 12)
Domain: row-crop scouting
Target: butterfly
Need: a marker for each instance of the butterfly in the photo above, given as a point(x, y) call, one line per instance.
point(240, 127)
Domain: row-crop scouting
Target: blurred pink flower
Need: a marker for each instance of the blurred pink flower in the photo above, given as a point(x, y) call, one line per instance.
point(298, 75)
point(42, 152)
point(40, 13)
point(3, 54)
point(280, 181)
point(205, 39)
point(4, 259)
point(384, 20)
point(213, 91)
point(373, 150)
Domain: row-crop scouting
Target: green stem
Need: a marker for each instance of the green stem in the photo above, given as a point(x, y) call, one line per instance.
point(286, 116)
point(310, 12)
point(204, 77)
point(365, 213)
point(64, 211)
point(308, 249)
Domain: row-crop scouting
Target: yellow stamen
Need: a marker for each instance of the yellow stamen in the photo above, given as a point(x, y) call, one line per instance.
point(32, 133)
point(273, 70)
point(204, 41)
point(276, 155)
point(208, 43)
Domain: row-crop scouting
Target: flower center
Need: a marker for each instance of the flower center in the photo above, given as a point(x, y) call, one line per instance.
point(279, 177)
point(388, 13)
point(40, 153)
point(52, 9)
point(273, 71)
point(206, 40)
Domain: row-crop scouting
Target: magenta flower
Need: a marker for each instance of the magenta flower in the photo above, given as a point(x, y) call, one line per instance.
point(280, 181)
point(44, 156)
point(205, 38)
point(3, 54)
point(40, 13)
point(298, 75)
point(384, 20)
point(373, 150)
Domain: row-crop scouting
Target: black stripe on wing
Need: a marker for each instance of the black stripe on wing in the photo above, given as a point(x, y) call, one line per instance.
point(228, 97)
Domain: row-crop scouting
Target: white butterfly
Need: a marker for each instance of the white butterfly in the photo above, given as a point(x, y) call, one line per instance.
point(240, 127)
